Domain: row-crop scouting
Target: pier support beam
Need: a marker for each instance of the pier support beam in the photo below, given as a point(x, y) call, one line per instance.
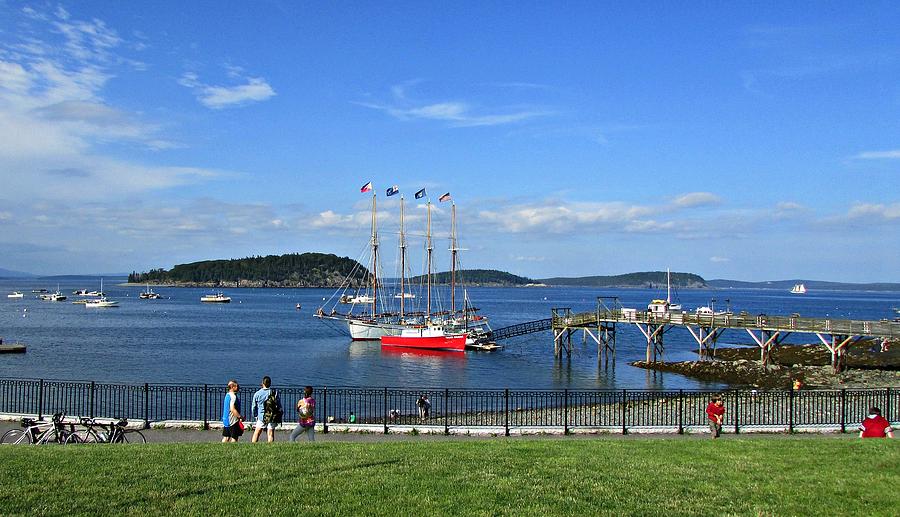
point(606, 342)
point(706, 338)
point(562, 341)
point(836, 345)
point(654, 334)
point(766, 340)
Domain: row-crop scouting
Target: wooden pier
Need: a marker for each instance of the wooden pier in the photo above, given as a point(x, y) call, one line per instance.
point(765, 330)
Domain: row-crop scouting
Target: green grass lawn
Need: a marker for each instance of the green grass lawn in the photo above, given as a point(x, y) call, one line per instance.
point(779, 476)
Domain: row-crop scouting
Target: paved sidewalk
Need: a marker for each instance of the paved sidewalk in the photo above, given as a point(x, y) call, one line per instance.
point(193, 435)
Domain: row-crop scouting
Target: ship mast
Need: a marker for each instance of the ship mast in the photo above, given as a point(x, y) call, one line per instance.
point(453, 251)
point(668, 288)
point(429, 248)
point(402, 261)
point(374, 260)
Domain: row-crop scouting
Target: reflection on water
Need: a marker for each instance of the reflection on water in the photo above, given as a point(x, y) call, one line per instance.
point(433, 357)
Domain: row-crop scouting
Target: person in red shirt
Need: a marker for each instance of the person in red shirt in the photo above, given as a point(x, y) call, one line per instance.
point(715, 411)
point(875, 425)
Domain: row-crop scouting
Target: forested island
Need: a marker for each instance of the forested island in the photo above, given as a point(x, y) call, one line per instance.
point(482, 277)
point(291, 270)
point(648, 279)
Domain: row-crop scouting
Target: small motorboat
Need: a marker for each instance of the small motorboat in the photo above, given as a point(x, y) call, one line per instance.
point(100, 303)
point(298, 306)
point(215, 298)
point(15, 294)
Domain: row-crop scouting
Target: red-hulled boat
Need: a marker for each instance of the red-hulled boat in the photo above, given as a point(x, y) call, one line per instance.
point(431, 338)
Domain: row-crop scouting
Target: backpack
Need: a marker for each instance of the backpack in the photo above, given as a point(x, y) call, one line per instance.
point(273, 413)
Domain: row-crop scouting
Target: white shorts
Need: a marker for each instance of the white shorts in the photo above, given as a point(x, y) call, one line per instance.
point(260, 425)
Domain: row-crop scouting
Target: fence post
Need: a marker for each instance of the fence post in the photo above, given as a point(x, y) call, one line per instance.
point(506, 411)
point(737, 412)
point(325, 405)
point(624, 398)
point(446, 403)
point(146, 406)
point(41, 400)
point(566, 411)
point(843, 410)
point(790, 411)
point(205, 407)
point(887, 405)
point(91, 414)
point(386, 412)
point(680, 411)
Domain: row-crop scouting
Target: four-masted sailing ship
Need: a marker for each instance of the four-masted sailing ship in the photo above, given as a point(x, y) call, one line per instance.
point(372, 312)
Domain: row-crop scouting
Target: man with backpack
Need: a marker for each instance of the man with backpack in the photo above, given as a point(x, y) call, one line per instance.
point(267, 410)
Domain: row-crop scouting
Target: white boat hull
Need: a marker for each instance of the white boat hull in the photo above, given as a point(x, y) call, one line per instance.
point(372, 331)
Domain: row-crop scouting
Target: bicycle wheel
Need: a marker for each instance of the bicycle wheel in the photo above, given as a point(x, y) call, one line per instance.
point(73, 439)
point(15, 437)
point(50, 436)
point(136, 437)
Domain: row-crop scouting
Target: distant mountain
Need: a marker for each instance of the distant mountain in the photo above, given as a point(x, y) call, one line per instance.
point(9, 273)
point(646, 279)
point(785, 285)
point(487, 277)
point(291, 270)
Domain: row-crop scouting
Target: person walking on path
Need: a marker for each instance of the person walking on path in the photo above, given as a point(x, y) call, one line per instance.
point(259, 411)
point(232, 426)
point(424, 406)
point(306, 416)
point(715, 411)
point(875, 425)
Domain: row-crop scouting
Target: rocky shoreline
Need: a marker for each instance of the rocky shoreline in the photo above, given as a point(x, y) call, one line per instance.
point(867, 367)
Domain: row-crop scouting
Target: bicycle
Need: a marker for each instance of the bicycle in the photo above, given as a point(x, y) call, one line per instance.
point(40, 432)
point(111, 432)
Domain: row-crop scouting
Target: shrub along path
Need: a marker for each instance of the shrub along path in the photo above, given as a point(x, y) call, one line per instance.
point(500, 476)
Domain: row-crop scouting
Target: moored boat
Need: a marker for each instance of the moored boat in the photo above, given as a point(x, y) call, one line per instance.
point(215, 298)
point(100, 303)
point(15, 294)
point(428, 338)
point(148, 294)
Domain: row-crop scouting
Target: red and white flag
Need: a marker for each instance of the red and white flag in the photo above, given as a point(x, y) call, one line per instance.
point(367, 187)
point(445, 197)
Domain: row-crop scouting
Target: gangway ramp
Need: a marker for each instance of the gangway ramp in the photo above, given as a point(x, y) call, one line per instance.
point(521, 329)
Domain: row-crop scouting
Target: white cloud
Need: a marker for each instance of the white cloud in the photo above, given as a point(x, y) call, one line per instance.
point(695, 199)
point(879, 155)
point(719, 260)
point(255, 89)
point(457, 113)
point(54, 120)
point(875, 212)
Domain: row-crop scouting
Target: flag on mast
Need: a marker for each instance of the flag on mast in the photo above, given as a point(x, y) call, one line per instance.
point(420, 194)
point(393, 190)
point(445, 197)
point(367, 187)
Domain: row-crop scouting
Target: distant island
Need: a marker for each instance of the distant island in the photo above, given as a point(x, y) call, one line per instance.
point(648, 279)
point(480, 277)
point(814, 285)
point(291, 270)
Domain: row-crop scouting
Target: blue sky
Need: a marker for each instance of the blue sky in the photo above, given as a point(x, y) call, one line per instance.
point(577, 138)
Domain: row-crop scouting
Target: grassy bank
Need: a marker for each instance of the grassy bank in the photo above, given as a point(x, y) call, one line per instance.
point(783, 476)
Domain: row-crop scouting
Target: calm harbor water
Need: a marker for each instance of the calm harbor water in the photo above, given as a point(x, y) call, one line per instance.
point(177, 339)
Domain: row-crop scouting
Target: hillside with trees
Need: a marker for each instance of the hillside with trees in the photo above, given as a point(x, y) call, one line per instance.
point(485, 277)
point(291, 270)
point(647, 279)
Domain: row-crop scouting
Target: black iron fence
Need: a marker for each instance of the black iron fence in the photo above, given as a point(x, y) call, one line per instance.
point(566, 410)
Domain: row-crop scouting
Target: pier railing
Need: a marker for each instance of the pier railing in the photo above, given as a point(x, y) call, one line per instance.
point(498, 411)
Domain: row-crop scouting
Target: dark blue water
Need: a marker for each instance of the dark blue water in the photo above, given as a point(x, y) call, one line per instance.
point(178, 339)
